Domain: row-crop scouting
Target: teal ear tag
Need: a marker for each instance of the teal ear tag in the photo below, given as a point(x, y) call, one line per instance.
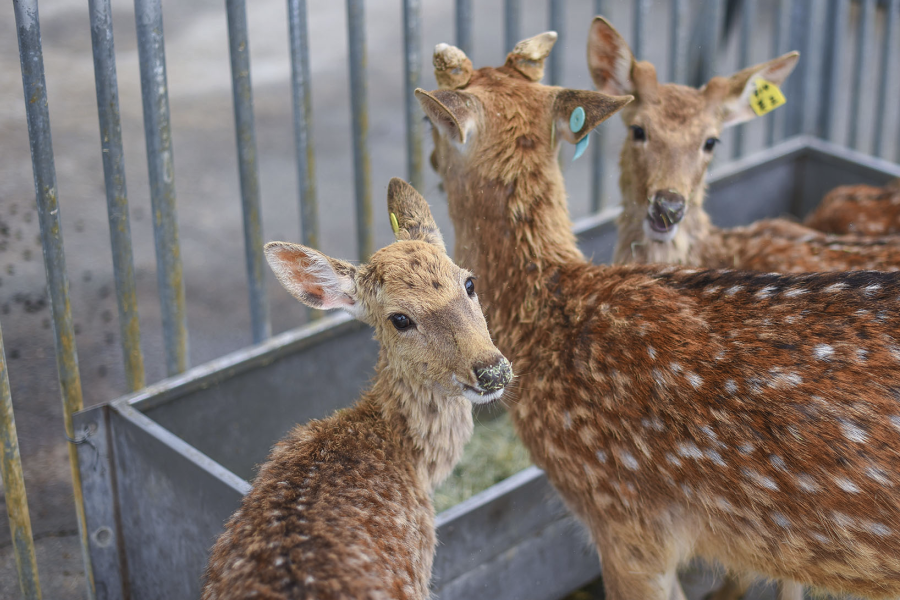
point(581, 146)
point(576, 120)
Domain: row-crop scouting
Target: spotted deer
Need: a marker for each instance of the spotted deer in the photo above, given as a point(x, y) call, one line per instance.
point(342, 507)
point(862, 209)
point(742, 417)
point(673, 131)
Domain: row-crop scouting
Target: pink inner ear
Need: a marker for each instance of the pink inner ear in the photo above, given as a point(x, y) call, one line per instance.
point(291, 259)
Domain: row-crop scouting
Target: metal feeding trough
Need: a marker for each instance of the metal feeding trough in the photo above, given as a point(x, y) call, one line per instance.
point(163, 468)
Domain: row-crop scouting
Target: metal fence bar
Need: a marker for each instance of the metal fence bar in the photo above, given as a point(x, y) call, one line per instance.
point(412, 62)
point(512, 10)
point(712, 33)
point(888, 66)
point(38, 114)
point(832, 50)
point(779, 41)
point(860, 60)
point(678, 35)
point(464, 26)
point(748, 18)
point(14, 490)
point(794, 87)
point(356, 30)
point(116, 190)
point(242, 90)
point(557, 24)
point(637, 28)
point(302, 96)
point(161, 167)
point(598, 166)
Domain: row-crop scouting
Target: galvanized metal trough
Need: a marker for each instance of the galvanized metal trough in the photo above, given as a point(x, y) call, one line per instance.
point(163, 468)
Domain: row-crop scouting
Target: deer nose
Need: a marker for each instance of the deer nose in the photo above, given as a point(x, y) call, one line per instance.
point(493, 375)
point(669, 205)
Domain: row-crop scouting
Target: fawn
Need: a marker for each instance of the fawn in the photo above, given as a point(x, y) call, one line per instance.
point(673, 132)
point(742, 417)
point(862, 209)
point(342, 507)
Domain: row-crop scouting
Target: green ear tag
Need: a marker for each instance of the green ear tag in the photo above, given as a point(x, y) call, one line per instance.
point(581, 146)
point(394, 224)
point(576, 121)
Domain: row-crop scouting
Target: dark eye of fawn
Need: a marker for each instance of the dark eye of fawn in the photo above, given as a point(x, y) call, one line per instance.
point(470, 286)
point(401, 322)
point(638, 134)
point(709, 144)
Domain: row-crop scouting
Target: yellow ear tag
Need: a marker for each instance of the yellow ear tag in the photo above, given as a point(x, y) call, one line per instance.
point(766, 97)
point(394, 224)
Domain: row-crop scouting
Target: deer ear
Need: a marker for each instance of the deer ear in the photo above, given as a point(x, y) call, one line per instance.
point(451, 111)
point(313, 278)
point(410, 215)
point(452, 68)
point(577, 112)
point(609, 59)
point(528, 56)
point(732, 96)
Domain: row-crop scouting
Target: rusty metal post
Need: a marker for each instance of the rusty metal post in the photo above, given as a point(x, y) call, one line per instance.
point(362, 170)
point(598, 165)
point(116, 190)
point(14, 490)
point(242, 91)
point(161, 168)
point(412, 62)
point(37, 111)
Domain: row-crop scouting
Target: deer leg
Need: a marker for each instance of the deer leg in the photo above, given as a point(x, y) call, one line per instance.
point(790, 590)
point(636, 566)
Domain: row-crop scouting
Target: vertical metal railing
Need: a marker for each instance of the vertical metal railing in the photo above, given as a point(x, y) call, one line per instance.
point(356, 33)
point(14, 491)
point(748, 19)
point(888, 67)
point(780, 41)
point(835, 20)
point(464, 26)
point(639, 15)
point(412, 62)
point(38, 115)
point(239, 50)
point(678, 36)
point(598, 158)
point(795, 87)
point(113, 156)
point(556, 60)
point(860, 60)
point(298, 30)
point(161, 166)
point(512, 17)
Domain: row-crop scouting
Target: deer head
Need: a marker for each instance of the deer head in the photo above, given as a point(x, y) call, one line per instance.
point(673, 129)
point(501, 123)
point(423, 307)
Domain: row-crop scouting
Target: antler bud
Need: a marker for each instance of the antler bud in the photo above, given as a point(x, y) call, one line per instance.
point(452, 68)
point(528, 55)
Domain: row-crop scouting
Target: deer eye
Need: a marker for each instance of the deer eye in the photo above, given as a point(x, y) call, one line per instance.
point(401, 322)
point(638, 134)
point(470, 287)
point(709, 144)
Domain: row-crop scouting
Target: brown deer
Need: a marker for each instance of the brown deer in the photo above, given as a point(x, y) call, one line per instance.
point(673, 131)
point(742, 417)
point(342, 507)
point(862, 209)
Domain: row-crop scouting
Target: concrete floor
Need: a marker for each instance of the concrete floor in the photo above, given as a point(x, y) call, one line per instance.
point(206, 181)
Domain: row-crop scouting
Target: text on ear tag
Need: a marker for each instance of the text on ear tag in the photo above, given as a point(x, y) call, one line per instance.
point(394, 224)
point(766, 97)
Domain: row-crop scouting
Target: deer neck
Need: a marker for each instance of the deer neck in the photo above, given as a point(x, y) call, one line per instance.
point(633, 246)
point(434, 425)
point(514, 231)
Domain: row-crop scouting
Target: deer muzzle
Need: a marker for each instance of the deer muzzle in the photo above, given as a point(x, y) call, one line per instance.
point(664, 213)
